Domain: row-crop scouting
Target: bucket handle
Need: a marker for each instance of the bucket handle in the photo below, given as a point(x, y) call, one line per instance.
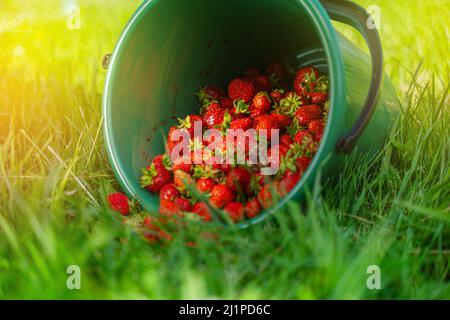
point(356, 16)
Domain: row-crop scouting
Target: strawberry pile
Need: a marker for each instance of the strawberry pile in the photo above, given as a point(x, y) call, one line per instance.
point(257, 100)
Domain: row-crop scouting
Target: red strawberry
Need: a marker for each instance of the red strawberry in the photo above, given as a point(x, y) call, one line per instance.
point(251, 73)
point(283, 121)
point(286, 140)
point(241, 89)
point(209, 93)
point(210, 106)
point(235, 211)
point(169, 192)
point(276, 71)
point(221, 195)
point(266, 121)
point(238, 180)
point(225, 167)
point(307, 114)
point(161, 161)
point(239, 109)
point(305, 80)
point(213, 117)
point(316, 127)
point(252, 208)
point(155, 176)
point(205, 185)
point(226, 103)
point(265, 196)
point(262, 83)
point(317, 97)
point(283, 150)
point(303, 137)
point(189, 122)
point(181, 179)
point(261, 104)
point(183, 204)
point(202, 210)
point(288, 182)
point(303, 163)
point(168, 208)
point(119, 202)
point(244, 124)
point(277, 95)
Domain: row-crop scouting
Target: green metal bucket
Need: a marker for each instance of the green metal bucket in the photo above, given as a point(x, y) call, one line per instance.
point(170, 48)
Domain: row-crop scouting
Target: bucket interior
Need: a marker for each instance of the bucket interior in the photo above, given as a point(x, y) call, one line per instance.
point(172, 48)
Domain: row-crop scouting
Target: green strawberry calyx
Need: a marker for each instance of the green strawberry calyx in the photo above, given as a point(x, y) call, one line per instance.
point(148, 175)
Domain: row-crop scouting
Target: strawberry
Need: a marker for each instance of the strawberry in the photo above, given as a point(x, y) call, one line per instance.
point(168, 208)
point(202, 210)
point(307, 114)
point(261, 104)
point(283, 150)
point(266, 195)
point(183, 204)
point(205, 185)
point(262, 83)
point(268, 122)
point(252, 208)
point(240, 109)
point(244, 124)
point(277, 95)
point(288, 182)
point(283, 121)
point(155, 176)
point(225, 167)
point(316, 127)
point(189, 122)
point(251, 73)
point(221, 195)
point(181, 179)
point(286, 139)
point(169, 192)
point(276, 71)
point(119, 202)
point(235, 211)
point(161, 161)
point(209, 93)
point(305, 80)
point(303, 137)
point(317, 97)
point(289, 104)
point(241, 89)
point(226, 103)
point(238, 180)
point(214, 117)
point(303, 163)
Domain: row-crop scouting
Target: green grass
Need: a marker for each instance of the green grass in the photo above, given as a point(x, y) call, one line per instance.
point(392, 211)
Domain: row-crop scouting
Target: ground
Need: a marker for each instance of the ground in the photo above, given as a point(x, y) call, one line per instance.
point(391, 211)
